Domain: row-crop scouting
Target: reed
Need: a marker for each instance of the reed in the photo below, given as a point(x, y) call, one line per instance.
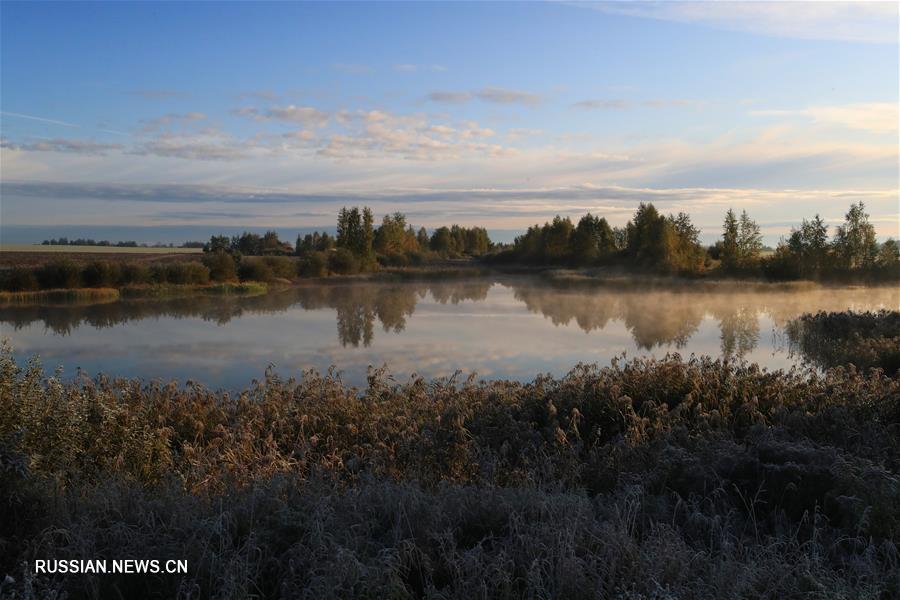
point(75, 295)
point(645, 478)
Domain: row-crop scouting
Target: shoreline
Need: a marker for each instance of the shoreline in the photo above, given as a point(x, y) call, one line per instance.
point(552, 276)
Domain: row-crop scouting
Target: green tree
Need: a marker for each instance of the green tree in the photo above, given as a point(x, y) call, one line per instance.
point(854, 243)
point(808, 247)
point(442, 242)
point(889, 254)
point(218, 243)
point(422, 238)
point(355, 232)
point(591, 240)
point(271, 244)
point(393, 237)
point(729, 252)
point(749, 242)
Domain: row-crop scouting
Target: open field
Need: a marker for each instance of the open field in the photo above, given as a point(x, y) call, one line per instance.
point(95, 249)
point(23, 255)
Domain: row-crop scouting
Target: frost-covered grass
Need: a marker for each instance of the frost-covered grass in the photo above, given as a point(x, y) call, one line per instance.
point(645, 478)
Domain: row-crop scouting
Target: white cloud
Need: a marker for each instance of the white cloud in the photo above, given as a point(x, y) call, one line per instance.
point(305, 115)
point(623, 104)
point(869, 22)
point(206, 145)
point(495, 95)
point(172, 119)
point(62, 145)
point(877, 117)
point(449, 97)
point(507, 96)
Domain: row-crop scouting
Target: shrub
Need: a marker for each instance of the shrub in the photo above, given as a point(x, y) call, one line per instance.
point(61, 273)
point(158, 274)
point(254, 269)
point(865, 340)
point(186, 273)
point(393, 259)
point(101, 274)
point(415, 258)
point(314, 264)
point(18, 279)
point(343, 262)
point(281, 266)
point(135, 274)
point(221, 266)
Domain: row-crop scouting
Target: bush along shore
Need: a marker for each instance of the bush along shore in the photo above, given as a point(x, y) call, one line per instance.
point(643, 479)
point(868, 340)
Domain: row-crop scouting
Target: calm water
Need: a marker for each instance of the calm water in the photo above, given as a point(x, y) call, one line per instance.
point(506, 328)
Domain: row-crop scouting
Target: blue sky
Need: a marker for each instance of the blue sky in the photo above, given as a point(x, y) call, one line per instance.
point(222, 115)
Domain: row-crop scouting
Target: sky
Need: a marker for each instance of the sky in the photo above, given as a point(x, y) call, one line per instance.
point(169, 121)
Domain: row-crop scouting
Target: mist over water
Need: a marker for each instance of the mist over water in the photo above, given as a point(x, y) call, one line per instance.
point(500, 328)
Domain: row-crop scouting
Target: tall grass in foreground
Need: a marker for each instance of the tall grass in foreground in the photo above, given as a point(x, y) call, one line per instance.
point(644, 479)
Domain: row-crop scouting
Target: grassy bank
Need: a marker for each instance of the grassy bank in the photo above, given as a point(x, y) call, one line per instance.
point(74, 295)
point(642, 479)
point(868, 340)
point(245, 288)
point(93, 295)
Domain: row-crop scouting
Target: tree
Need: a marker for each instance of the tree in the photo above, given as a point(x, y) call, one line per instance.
point(272, 245)
point(367, 240)
point(441, 241)
point(248, 244)
point(422, 238)
point(730, 253)
point(218, 243)
point(313, 242)
point(355, 232)
point(591, 240)
point(688, 255)
point(749, 242)
point(854, 243)
point(808, 247)
point(889, 254)
point(393, 237)
point(646, 235)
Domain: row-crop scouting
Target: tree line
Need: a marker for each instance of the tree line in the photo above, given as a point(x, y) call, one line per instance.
point(670, 244)
point(359, 245)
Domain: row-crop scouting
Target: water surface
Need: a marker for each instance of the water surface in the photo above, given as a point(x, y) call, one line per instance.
point(500, 328)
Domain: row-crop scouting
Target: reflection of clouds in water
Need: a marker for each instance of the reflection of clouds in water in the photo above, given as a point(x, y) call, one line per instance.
point(513, 328)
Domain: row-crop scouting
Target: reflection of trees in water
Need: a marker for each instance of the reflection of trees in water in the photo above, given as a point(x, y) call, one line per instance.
point(454, 292)
point(62, 319)
point(650, 323)
point(653, 316)
point(658, 316)
point(739, 332)
point(358, 306)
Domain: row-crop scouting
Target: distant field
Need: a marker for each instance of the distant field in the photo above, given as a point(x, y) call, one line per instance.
point(95, 249)
point(24, 255)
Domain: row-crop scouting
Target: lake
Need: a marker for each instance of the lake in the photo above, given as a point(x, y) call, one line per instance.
point(508, 327)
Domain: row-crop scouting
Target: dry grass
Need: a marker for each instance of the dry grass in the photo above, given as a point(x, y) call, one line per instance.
point(76, 296)
point(33, 256)
point(41, 249)
point(644, 479)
